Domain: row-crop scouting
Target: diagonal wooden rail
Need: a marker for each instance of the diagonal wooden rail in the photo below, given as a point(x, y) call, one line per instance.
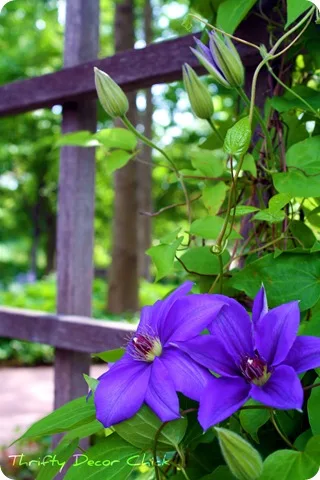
point(139, 68)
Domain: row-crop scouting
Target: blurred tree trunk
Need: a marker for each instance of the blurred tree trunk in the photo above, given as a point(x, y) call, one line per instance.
point(123, 274)
point(145, 167)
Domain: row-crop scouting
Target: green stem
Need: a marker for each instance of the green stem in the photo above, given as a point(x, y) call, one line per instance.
point(150, 144)
point(221, 273)
point(282, 435)
point(293, 29)
point(270, 56)
point(260, 120)
point(295, 94)
point(154, 451)
point(216, 131)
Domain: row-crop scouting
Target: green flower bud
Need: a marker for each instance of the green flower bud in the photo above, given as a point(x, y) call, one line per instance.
point(221, 60)
point(111, 96)
point(242, 459)
point(229, 60)
point(199, 97)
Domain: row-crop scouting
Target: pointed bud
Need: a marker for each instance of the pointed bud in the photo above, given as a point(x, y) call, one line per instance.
point(242, 459)
point(199, 97)
point(111, 96)
point(221, 60)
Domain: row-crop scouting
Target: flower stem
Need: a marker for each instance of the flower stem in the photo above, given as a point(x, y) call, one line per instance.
point(282, 435)
point(154, 451)
point(216, 131)
point(150, 144)
point(310, 387)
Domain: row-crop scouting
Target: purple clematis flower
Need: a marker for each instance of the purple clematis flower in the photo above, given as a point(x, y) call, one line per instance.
point(221, 60)
point(152, 370)
point(258, 358)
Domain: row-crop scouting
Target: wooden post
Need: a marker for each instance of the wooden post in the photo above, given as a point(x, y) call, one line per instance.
point(76, 201)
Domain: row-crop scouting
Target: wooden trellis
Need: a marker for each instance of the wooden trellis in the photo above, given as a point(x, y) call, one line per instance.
point(72, 332)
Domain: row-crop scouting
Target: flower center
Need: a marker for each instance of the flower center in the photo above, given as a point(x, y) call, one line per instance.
point(146, 348)
point(255, 369)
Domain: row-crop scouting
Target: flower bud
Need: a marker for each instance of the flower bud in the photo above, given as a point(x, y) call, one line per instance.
point(221, 60)
point(242, 459)
point(199, 97)
point(111, 96)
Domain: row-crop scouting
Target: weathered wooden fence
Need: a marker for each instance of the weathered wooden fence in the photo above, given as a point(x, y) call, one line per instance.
point(72, 332)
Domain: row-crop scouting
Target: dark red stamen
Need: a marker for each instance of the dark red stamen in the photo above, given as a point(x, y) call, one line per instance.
point(142, 344)
point(254, 368)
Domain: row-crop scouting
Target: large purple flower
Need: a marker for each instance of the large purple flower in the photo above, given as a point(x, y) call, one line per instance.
point(258, 358)
point(152, 370)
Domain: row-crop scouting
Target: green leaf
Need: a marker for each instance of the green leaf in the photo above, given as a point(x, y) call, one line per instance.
point(292, 465)
point(242, 210)
point(163, 257)
point(220, 473)
point(210, 227)
point(62, 454)
point(170, 237)
point(141, 430)
point(82, 138)
point(83, 431)
point(291, 276)
point(252, 420)
point(202, 261)
point(213, 197)
point(294, 9)
point(314, 410)
point(112, 458)
point(249, 164)
point(209, 163)
point(315, 247)
point(242, 459)
point(289, 101)
point(303, 233)
point(232, 12)
point(269, 216)
point(238, 137)
point(303, 176)
point(117, 159)
point(91, 382)
point(117, 138)
point(110, 356)
point(71, 415)
point(278, 201)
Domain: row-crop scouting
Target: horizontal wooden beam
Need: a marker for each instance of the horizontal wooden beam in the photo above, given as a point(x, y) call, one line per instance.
point(80, 334)
point(139, 68)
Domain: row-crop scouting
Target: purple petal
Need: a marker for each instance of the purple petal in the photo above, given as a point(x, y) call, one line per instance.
point(276, 332)
point(304, 354)
point(189, 316)
point(121, 391)
point(148, 320)
point(260, 305)
point(188, 377)
point(222, 397)
point(233, 328)
point(161, 395)
point(209, 352)
point(283, 390)
point(152, 316)
point(203, 49)
point(213, 47)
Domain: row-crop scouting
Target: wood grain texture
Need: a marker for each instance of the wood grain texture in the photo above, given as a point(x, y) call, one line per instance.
point(139, 68)
point(70, 332)
point(76, 204)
